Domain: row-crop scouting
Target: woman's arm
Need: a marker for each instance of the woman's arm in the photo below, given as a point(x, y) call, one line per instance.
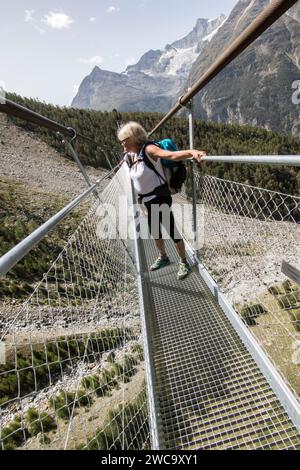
point(156, 153)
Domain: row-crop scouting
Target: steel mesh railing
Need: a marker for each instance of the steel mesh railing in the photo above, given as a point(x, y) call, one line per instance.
point(244, 234)
point(73, 375)
point(213, 392)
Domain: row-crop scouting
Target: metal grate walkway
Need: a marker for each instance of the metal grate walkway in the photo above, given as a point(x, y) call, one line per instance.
point(209, 390)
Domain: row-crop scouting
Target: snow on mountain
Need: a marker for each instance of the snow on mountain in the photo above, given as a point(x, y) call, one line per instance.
point(181, 61)
point(209, 37)
point(178, 57)
point(161, 72)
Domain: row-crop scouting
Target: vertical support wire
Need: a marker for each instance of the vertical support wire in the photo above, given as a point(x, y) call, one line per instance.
point(76, 158)
point(190, 108)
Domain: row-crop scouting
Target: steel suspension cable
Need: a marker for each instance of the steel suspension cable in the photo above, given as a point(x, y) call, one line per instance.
point(269, 15)
point(13, 109)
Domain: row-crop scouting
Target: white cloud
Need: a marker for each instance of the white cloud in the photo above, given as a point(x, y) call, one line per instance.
point(92, 19)
point(40, 30)
point(29, 15)
point(75, 88)
point(58, 20)
point(113, 9)
point(29, 18)
point(96, 60)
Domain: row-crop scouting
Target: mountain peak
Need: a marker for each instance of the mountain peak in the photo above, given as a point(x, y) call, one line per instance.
point(178, 57)
point(163, 72)
point(243, 93)
point(203, 28)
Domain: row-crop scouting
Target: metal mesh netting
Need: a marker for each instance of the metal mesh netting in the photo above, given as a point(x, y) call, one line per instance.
point(212, 393)
point(73, 376)
point(246, 233)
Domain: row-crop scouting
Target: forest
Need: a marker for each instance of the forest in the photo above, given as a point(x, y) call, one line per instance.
point(97, 145)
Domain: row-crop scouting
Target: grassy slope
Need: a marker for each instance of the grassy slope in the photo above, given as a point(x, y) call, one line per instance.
point(22, 210)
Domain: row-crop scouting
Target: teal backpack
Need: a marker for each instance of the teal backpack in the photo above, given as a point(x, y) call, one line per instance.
point(175, 172)
point(168, 144)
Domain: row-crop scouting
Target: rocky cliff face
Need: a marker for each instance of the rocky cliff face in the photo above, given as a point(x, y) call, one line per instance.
point(104, 91)
point(257, 87)
point(152, 83)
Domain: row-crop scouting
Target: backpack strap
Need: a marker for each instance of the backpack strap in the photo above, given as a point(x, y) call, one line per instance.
point(128, 158)
point(162, 189)
point(147, 161)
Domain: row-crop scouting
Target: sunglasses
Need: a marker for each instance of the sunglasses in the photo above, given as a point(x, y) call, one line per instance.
point(124, 140)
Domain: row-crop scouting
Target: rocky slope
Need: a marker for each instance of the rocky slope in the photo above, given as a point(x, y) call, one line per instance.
point(256, 88)
point(27, 159)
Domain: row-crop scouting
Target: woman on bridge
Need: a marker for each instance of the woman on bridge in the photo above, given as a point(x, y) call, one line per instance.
point(150, 183)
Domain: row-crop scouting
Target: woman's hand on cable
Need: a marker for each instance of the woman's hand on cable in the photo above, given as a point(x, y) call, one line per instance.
point(197, 155)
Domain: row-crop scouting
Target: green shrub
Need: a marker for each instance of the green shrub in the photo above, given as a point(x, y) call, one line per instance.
point(250, 312)
point(61, 404)
point(39, 422)
point(274, 290)
point(45, 366)
point(95, 384)
point(117, 369)
point(100, 442)
point(89, 382)
point(138, 350)
point(108, 377)
point(82, 399)
point(287, 286)
point(125, 370)
point(52, 351)
point(289, 300)
point(128, 364)
point(65, 402)
point(13, 435)
point(122, 422)
point(102, 390)
point(111, 358)
point(45, 439)
point(294, 314)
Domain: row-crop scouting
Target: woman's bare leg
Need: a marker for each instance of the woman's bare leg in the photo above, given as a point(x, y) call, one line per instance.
point(160, 244)
point(181, 250)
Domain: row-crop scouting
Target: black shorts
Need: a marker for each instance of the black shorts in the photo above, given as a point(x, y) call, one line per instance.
point(160, 214)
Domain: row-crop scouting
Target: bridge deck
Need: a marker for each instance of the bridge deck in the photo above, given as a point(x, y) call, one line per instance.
point(210, 392)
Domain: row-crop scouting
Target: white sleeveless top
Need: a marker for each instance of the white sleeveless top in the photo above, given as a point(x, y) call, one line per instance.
point(146, 180)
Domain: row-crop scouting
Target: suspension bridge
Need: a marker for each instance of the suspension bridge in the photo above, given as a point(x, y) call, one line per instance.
point(107, 355)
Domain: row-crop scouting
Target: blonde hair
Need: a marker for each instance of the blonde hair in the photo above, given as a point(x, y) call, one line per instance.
point(135, 131)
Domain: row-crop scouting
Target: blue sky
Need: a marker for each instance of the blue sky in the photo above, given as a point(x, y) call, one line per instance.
point(48, 47)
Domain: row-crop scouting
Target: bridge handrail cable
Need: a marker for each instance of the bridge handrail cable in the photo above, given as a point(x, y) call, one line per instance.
point(18, 252)
point(268, 16)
